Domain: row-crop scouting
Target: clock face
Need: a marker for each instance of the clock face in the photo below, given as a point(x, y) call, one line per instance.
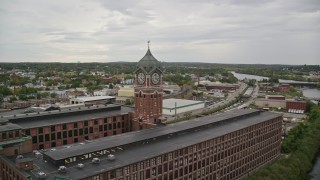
point(155, 78)
point(141, 78)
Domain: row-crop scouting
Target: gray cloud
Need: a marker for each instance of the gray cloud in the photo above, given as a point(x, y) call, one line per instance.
point(220, 31)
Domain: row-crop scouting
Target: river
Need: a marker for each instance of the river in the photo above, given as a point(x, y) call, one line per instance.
point(248, 76)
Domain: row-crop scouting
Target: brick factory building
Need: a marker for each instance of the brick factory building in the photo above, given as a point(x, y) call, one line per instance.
point(56, 128)
point(296, 106)
point(223, 146)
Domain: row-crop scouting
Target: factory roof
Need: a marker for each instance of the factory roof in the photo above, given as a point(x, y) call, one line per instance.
point(170, 103)
point(65, 116)
point(151, 144)
point(9, 127)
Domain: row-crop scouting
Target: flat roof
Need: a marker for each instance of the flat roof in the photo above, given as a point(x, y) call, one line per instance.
point(9, 127)
point(136, 136)
point(65, 116)
point(170, 103)
point(93, 98)
point(155, 148)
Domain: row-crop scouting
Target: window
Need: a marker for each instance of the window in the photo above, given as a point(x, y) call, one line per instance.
point(27, 132)
point(95, 122)
point(64, 126)
point(40, 130)
point(80, 132)
point(34, 139)
point(17, 134)
point(75, 125)
point(85, 123)
point(53, 128)
point(46, 137)
point(59, 135)
point(4, 135)
point(75, 132)
point(53, 136)
point(119, 172)
point(64, 134)
point(91, 129)
point(40, 138)
point(70, 133)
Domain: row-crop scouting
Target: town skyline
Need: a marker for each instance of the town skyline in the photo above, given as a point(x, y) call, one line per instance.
point(224, 32)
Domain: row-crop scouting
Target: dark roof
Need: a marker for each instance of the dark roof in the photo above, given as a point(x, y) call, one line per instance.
point(148, 62)
point(139, 136)
point(65, 116)
point(9, 127)
point(148, 150)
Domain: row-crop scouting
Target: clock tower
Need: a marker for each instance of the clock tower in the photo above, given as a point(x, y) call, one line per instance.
point(148, 92)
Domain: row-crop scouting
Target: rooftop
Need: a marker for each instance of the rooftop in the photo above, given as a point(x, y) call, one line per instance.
point(170, 103)
point(148, 62)
point(67, 115)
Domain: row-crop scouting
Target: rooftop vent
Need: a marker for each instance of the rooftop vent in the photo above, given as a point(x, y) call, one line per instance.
point(62, 169)
point(80, 166)
point(19, 157)
point(42, 175)
point(111, 157)
point(96, 160)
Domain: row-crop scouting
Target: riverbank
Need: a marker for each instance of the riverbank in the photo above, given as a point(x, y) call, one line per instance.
point(315, 173)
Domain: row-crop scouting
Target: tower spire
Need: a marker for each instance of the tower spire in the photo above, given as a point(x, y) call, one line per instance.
point(149, 44)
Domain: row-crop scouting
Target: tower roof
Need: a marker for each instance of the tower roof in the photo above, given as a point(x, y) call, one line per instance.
point(148, 62)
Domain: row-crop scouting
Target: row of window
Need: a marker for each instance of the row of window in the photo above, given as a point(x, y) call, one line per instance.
point(75, 125)
point(10, 135)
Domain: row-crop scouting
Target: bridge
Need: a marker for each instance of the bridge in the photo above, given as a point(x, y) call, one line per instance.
point(298, 83)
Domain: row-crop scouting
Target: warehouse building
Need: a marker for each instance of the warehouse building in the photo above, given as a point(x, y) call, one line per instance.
point(56, 128)
point(223, 146)
point(176, 106)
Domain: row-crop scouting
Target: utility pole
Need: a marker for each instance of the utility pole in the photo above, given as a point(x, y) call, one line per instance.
point(175, 111)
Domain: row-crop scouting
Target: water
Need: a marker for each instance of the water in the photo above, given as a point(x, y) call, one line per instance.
point(248, 76)
point(315, 173)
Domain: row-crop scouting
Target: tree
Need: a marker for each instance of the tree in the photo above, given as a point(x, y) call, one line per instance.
point(53, 95)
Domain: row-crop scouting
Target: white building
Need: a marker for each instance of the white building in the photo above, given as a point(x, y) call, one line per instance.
point(92, 100)
point(172, 106)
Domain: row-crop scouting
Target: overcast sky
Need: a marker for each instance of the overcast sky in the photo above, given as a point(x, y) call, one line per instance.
point(217, 31)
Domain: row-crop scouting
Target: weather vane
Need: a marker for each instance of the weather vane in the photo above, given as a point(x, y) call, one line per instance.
point(148, 43)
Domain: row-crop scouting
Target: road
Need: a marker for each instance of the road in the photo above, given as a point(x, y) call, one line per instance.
point(231, 97)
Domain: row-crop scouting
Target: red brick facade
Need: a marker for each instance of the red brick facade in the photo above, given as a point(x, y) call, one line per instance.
point(148, 93)
point(68, 133)
point(297, 105)
point(231, 156)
